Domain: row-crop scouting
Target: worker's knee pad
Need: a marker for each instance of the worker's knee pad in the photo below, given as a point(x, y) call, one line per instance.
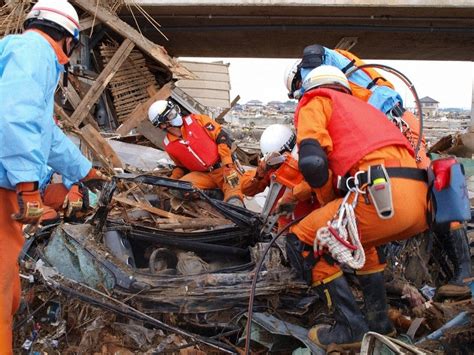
point(313, 163)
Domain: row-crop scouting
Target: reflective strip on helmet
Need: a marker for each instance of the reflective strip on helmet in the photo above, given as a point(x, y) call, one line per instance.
point(59, 13)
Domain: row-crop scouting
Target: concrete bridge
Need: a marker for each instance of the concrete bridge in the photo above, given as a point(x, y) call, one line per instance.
point(389, 29)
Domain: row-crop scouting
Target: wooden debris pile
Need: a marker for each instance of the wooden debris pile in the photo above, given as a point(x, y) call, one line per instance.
point(12, 15)
point(131, 83)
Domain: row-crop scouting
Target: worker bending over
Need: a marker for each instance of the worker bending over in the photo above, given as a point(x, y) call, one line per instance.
point(366, 84)
point(200, 149)
point(333, 134)
point(370, 86)
point(293, 201)
point(31, 142)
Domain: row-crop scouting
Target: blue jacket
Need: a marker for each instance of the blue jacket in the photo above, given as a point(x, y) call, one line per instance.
point(30, 141)
point(382, 98)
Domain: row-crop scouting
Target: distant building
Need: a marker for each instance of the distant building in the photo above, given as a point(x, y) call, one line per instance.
point(429, 106)
point(254, 104)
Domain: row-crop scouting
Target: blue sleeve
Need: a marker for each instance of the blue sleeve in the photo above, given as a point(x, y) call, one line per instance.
point(22, 91)
point(66, 159)
point(384, 98)
point(336, 59)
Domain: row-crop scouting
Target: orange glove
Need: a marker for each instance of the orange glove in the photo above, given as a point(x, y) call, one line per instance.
point(73, 202)
point(231, 176)
point(29, 201)
point(177, 173)
point(262, 169)
point(95, 174)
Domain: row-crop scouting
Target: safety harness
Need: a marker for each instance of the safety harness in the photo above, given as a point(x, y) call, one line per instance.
point(340, 238)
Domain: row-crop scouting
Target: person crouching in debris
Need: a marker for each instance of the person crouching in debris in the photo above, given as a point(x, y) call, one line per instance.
point(30, 67)
point(200, 149)
point(370, 86)
point(385, 200)
point(295, 197)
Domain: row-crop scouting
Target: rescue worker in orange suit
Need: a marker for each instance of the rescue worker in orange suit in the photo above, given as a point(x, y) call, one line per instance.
point(31, 142)
point(332, 134)
point(200, 148)
point(298, 201)
point(368, 85)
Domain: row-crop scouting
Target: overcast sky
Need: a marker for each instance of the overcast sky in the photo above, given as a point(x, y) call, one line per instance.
point(450, 83)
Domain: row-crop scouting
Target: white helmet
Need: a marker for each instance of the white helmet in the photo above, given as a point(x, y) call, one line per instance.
point(56, 13)
point(325, 75)
point(277, 138)
point(291, 77)
point(162, 111)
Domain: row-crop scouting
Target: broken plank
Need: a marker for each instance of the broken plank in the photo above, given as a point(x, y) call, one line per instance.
point(74, 99)
point(152, 133)
point(90, 143)
point(220, 118)
point(101, 145)
point(115, 23)
point(88, 22)
point(154, 210)
point(101, 82)
point(141, 111)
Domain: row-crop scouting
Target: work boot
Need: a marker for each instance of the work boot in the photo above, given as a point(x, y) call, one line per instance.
point(349, 326)
point(375, 300)
point(457, 249)
point(236, 201)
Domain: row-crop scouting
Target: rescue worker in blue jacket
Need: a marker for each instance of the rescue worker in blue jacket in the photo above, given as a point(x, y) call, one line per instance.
point(30, 67)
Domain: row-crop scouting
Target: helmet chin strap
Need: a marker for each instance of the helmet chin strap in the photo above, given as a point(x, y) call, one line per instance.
point(65, 81)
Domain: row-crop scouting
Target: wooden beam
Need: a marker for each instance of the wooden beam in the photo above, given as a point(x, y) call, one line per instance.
point(101, 145)
point(220, 118)
point(87, 139)
point(88, 22)
point(151, 209)
point(115, 23)
point(141, 111)
point(101, 82)
point(152, 133)
point(74, 99)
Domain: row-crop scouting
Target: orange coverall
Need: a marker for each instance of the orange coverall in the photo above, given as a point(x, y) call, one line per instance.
point(215, 178)
point(11, 242)
point(409, 196)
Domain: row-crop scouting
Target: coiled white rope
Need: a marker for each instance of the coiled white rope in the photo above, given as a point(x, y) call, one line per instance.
point(341, 237)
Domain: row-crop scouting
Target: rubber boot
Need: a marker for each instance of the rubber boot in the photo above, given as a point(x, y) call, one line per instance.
point(349, 327)
point(375, 300)
point(457, 249)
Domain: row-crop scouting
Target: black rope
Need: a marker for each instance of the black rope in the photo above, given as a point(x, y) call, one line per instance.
point(254, 282)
